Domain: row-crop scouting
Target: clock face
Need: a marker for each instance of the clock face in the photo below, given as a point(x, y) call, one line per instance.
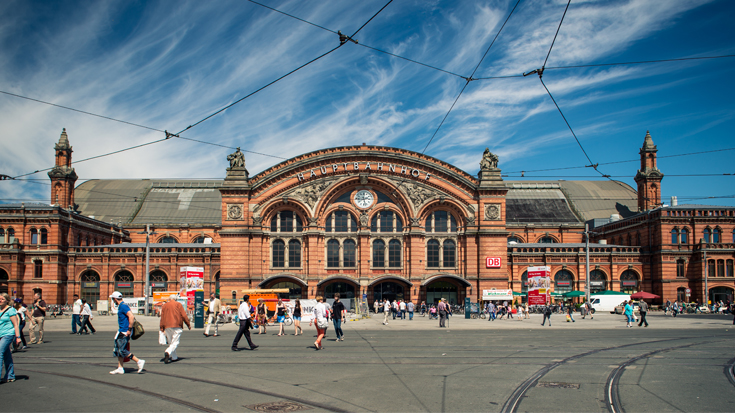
point(363, 199)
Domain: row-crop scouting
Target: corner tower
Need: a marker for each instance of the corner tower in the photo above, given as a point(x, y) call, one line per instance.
point(648, 177)
point(62, 175)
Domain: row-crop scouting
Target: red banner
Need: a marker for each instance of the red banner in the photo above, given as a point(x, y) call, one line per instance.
point(539, 285)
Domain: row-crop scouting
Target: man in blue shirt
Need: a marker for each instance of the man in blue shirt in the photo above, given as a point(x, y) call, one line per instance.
point(125, 320)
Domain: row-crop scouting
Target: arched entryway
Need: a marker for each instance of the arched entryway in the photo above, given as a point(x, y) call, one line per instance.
point(598, 281)
point(389, 288)
point(296, 287)
point(90, 288)
point(451, 287)
point(124, 283)
point(159, 281)
point(717, 294)
point(563, 282)
point(629, 282)
point(681, 294)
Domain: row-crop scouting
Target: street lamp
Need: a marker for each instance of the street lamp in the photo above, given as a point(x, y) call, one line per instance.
point(146, 292)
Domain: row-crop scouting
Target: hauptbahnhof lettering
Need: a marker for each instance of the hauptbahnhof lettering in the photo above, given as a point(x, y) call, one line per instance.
point(364, 220)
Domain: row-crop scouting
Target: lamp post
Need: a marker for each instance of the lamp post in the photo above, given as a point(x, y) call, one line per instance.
point(146, 292)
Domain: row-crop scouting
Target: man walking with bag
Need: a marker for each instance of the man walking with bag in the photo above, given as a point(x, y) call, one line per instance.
point(442, 313)
point(76, 314)
point(643, 310)
point(125, 321)
point(37, 318)
point(215, 306)
point(246, 323)
point(172, 322)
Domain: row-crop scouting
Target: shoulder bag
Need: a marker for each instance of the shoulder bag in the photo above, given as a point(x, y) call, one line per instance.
point(138, 330)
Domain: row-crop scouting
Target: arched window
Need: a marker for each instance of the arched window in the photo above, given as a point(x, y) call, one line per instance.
point(341, 221)
point(44, 236)
point(168, 240)
point(279, 254)
point(733, 236)
point(349, 248)
point(345, 290)
point(294, 253)
point(450, 254)
point(629, 282)
point(598, 281)
point(547, 240)
point(720, 268)
point(681, 268)
point(563, 281)
point(286, 221)
point(386, 221)
point(90, 288)
point(378, 253)
point(198, 240)
point(674, 236)
point(394, 253)
point(716, 236)
point(124, 283)
point(34, 236)
point(514, 239)
point(294, 290)
point(681, 294)
point(706, 236)
point(159, 280)
point(441, 221)
point(684, 236)
point(432, 253)
point(332, 253)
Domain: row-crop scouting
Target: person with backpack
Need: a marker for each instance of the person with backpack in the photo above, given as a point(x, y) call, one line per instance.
point(125, 320)
point(338, 317)
point(547, 315)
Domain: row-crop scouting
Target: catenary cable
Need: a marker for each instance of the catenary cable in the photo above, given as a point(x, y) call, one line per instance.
point(640, 62)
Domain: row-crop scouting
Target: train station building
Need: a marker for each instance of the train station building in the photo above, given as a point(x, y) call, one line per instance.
point(367, 221)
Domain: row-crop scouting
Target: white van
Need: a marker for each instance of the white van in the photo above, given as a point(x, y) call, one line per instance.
point(607, 302)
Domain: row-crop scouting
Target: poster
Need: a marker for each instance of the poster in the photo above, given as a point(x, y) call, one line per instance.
point(194, 281)
point(539, 285)
point(494, 294)
point(133, 302)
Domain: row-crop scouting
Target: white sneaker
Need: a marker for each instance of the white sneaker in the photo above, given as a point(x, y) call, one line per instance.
point(141, 363)
point(118, 370)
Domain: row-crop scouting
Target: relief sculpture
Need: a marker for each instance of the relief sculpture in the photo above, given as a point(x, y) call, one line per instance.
point(310, 195)
point(419, 195)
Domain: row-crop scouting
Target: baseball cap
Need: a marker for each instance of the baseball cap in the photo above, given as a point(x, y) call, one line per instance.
point(116, 294)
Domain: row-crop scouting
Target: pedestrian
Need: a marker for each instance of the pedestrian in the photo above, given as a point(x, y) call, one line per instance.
point(490, 311)
point(320, 319)
point(125, 321)
point(22, 311)
point(570, 313)
point(442, 313)
point(519, 308)
point(281, 317)
point(262, 312)
point(667, 307)
point(85, 316)
point(297, 318)
point(338, 317)
point(37, 318)
point(376, 304)
point(386, 310)
point(215, 307)
point(402, 308)
point(410, 307)
point(525, 311)
point(675, 308)
point(394, 308)
point(172, 322)
point(644, 311)
point(423, 308)
point(243, 313)
point(9, 334)
point(76, 319)
point(547, 315)
point(628, 312)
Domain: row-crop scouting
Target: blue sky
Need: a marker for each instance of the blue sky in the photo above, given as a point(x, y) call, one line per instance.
point(167, 65)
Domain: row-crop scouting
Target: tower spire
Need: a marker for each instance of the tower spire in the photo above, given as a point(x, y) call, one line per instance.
point(62, 175)
point(648, 177)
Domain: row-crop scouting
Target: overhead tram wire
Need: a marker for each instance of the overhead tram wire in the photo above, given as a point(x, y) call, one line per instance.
point(641, 62)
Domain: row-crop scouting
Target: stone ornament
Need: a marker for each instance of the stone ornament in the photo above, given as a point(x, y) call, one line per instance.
point(489, 161)
point(234, 212)
point(415, 222)
point(492, 212)
point(310, 194)
point(257, 221)
point(419, 195)
point(237, 159)
point(364, 219)
point(313, 221)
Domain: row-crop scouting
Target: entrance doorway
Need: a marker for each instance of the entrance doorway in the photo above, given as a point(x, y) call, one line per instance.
point(388, 290)
point(345, 290)
point(718, 294)
point(90, 290)
point(441, 289)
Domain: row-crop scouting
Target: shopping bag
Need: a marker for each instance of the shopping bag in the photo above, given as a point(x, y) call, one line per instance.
point(569, 318)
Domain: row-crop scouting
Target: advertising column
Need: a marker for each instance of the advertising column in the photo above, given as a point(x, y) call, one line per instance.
point(539, 285)
point(193, 278)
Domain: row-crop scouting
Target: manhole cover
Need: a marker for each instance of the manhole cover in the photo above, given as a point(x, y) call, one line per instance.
point(282, 406)
point(554, 385)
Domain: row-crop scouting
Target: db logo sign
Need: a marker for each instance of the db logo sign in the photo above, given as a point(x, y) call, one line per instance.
point(492, 262)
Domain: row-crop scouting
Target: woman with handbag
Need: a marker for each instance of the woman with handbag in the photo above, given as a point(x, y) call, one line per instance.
point(281, 316)
point(262, 316)
point(9, 334)
point(297, 318)
point(320, 319)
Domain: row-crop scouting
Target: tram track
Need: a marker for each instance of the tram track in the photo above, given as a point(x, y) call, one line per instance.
point(512, 403)
point(730, 371)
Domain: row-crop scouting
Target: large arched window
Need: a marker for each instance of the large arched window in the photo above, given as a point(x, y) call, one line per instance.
point(563, 281)
point(514, 239)
point(198, 240)
point(674, 236)
point(386, 221)
point(349, 253)
point(449, 254)
point(681, 268)
point(286, 221)
point(547, 240)
point(341, 221)
point(124, 283)
point(394, 253)
point(333, 253)
point(90, 288)
point(598, 281)
point(441, 221)
point(167, 240)
point(629, 282)
point(684, 236)
point(432, 253)
point(279, 254)
point(294, 254)
point(378, 253)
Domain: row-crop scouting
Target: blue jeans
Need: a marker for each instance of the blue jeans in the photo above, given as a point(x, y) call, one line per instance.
point(74, 323)
point(338, 327)
point(410, 315)
point(6, 357)
point(121, 344)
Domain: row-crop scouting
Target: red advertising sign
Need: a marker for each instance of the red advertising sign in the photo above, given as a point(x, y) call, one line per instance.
point(194, 281)
point(539, 285)
point(492, 262)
